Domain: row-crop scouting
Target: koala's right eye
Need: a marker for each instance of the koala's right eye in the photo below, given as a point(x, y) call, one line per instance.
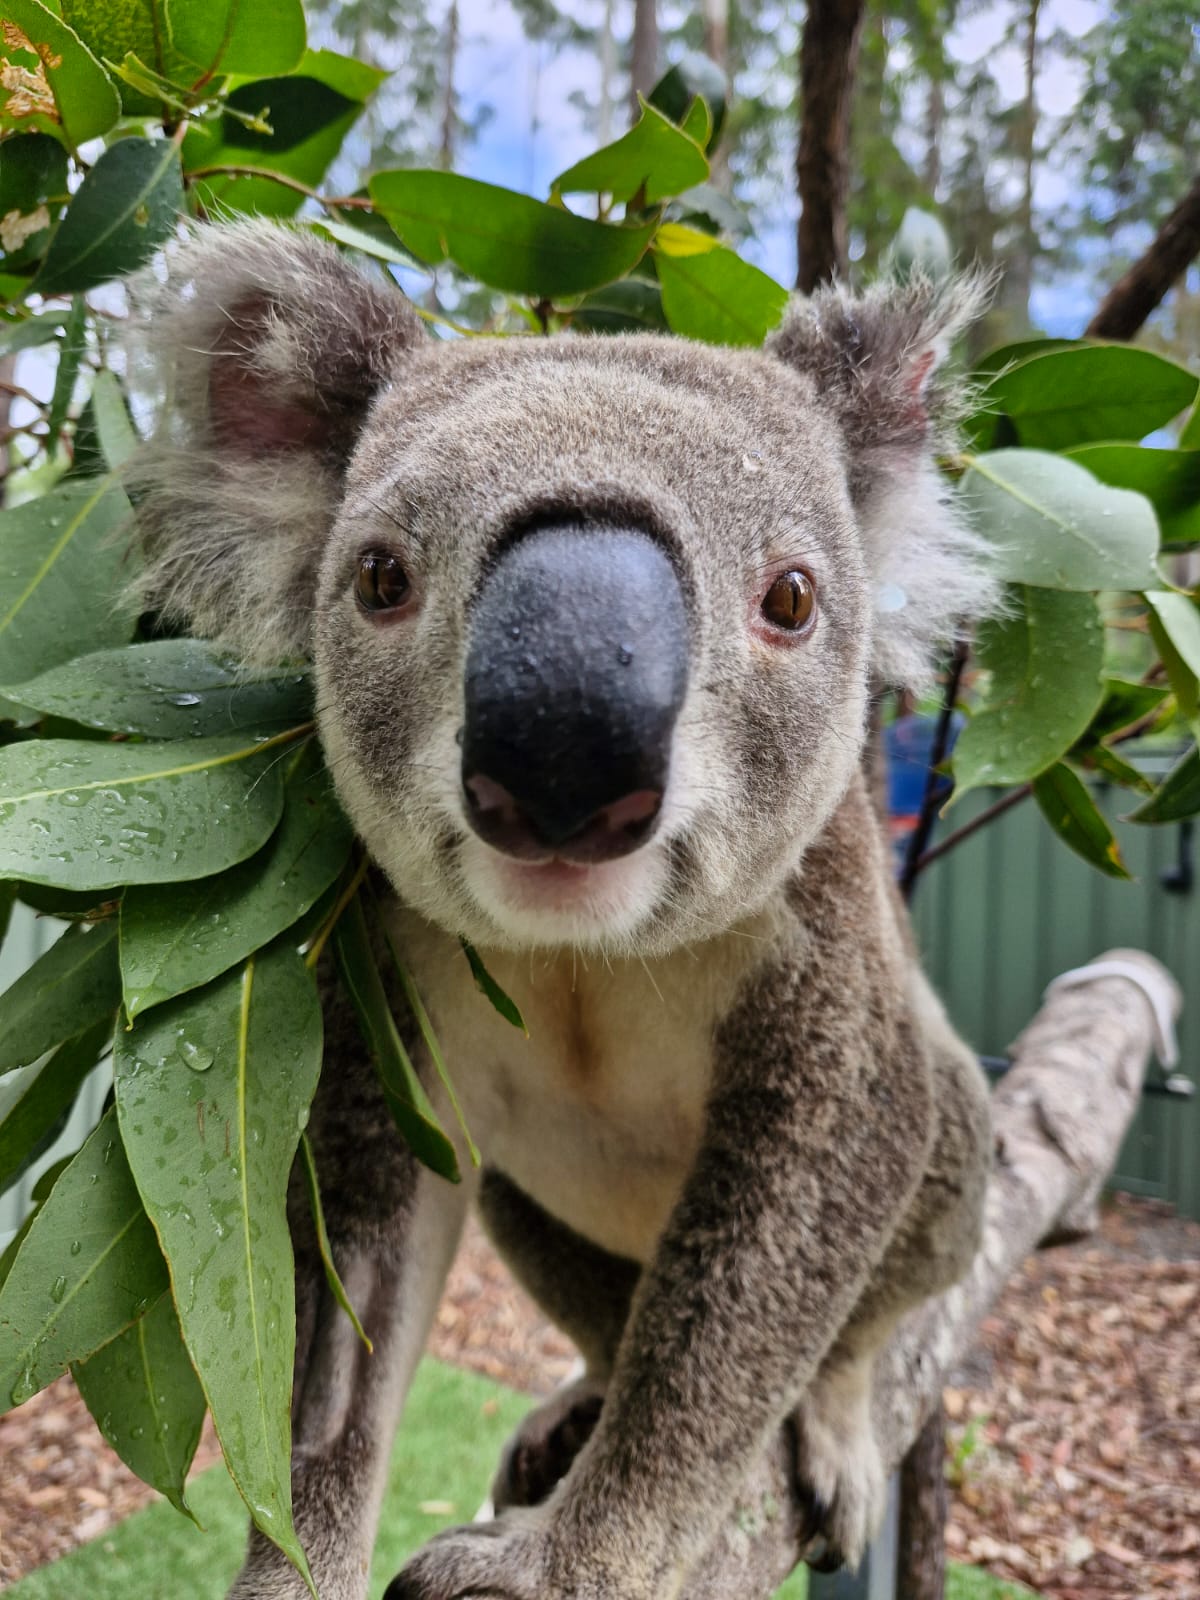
point(382, 583)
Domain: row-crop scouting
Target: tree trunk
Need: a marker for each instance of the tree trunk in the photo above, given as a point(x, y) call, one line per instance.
point(924, 1507)
point(1059, 1116)
point(1132, 298)
point(828, 58)
point(1019, 281)
point(450, 99)
point(643, 60)
point(608, 62)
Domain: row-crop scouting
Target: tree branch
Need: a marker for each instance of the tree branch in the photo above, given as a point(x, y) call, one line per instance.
point(828, 60)
point(1059, 1116)
point(1143, 288)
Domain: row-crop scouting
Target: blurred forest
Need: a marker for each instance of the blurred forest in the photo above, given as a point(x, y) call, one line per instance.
point(1048, 136)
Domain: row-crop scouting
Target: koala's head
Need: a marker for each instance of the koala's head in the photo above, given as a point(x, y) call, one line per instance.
point(593, 620)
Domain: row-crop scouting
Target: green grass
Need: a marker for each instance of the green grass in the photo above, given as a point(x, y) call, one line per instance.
point(454, 1426)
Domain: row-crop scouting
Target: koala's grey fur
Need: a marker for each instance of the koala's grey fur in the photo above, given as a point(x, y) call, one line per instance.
point(741, 1139)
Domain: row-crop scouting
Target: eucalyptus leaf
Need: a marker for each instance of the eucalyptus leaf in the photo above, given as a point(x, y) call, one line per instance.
point(1105, 761)
point(118, 438)
point(1088, 393)
point(1170, 480)
point(34, 1099)
point(505, 239)
point(32, 333)
point(336, 1287)
point(68, 989)
point(33, 191)
point(1051, 524)
point(631, 306)
point(70, 356)
point(1178, 796)
point(126, 206)
point(39, 1195)
point(79, 101)
point(238, 36)
point(1175, 629)
point(89, 1266)
point(405, 1094)
point(48, 611)
point(169, 689)
point(146, 1399)
point(1045, 658)
point(178, 937)
point(1125, 703)
point(1070, 810)
point(716, 296)
point(212, 1093)
point(80, 814)
point(654, 159)
point(113, 29)
point(491, 990)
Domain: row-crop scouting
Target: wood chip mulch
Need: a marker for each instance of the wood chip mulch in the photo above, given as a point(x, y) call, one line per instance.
point(1074, 1426)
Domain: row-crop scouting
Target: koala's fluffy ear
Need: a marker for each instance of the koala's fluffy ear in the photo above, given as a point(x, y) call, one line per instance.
point(874, 359)
point(267, 349)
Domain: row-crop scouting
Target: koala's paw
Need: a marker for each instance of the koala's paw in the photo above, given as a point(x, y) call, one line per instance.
point(503, 1560)
point(841, 1479)
point(541, 1451)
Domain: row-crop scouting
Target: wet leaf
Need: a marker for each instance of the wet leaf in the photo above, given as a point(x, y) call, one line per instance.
point(170, 689)
point(1178, 796)
point(1045, 660)
point(72, 986)
point(177, 938)
point(79, 814)
point(336, 1287)
point(1051, 524)
point(88, 1267)
point(147, 1400)
point(212, 1093)
point(1073, 814)
point(1169, 479)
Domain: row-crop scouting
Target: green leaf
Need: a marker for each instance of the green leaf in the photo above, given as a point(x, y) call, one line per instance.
point(491, 990)
point(70, 356)
point(1169, 479)
point(1073, 814)
point(48, 610)
point(1051, 524)
point(69, 988)
point(147, 1401)
point(124, 209)
point(212, 1095)
point(113, 29)
point(693, 75)
point(1189, 436)
point(246, 37)
point(1091, 392)
point(336, 1287)
point(631, 306)
point(1175, 629)
point(1100, 758)
point(88, 1267)
point(178, 937)
point(78, 814)
point(504, 239)
point(654, 159)
point(1125, 703)
point(716, 296)
point(118, 438)
point(1045, 660)
point(33, 191)
point(207, 146)
point(169, 689)
point(31, 333)
point(1178, 796)
point(40, 1193)
point(381, 243)
point(72, 96)
point(1021, 350)
point(34, 1100)
point(402, 1088)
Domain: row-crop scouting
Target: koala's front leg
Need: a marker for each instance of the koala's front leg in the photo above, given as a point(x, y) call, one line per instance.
point(393, 1228)
point(817, 1134)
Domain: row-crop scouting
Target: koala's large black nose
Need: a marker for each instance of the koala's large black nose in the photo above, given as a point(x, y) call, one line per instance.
point(576, 669)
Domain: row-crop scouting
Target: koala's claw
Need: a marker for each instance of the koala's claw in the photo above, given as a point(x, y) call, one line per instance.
point(485, 1561)
point(545, 1445)
point(840, 1482)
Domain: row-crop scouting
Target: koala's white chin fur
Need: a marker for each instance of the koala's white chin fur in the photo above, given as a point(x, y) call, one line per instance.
point(555, 904)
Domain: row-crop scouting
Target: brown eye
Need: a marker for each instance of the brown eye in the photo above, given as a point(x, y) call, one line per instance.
point(791, 601)
point(382, 583)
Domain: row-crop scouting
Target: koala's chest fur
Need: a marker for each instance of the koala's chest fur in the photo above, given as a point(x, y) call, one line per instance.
point(599, 1113)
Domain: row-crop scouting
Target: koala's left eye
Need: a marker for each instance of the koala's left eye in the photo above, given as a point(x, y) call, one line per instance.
point(791, 602)
point(382, 583)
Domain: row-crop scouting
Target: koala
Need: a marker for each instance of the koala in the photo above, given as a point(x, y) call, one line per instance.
point(594, 624)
